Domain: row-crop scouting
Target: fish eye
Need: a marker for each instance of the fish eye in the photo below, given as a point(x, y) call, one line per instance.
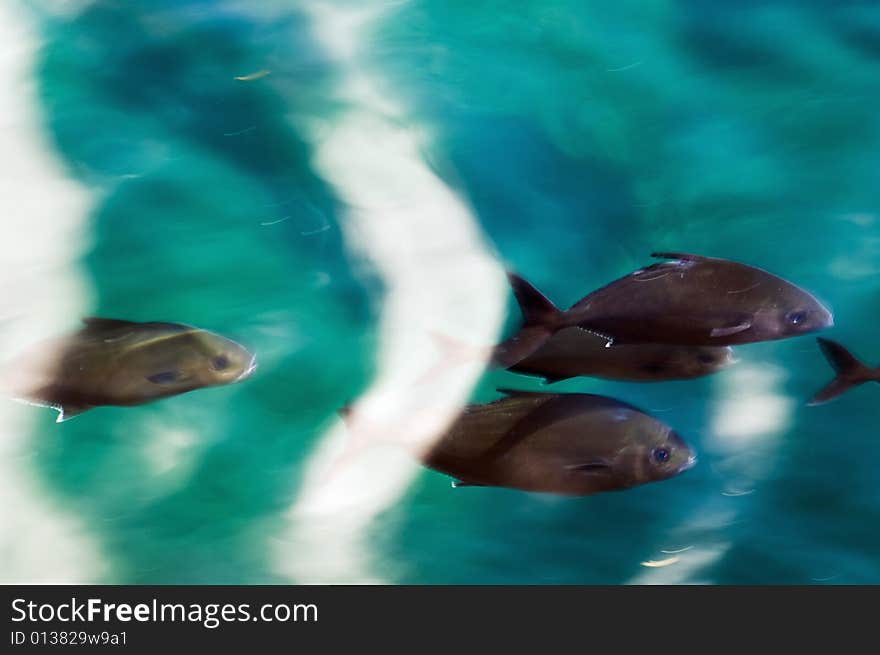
point(660, 455)
point(220, 363)
point(796, 317)
point(705, 358)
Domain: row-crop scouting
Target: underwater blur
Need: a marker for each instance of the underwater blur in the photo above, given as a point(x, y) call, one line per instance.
point(335, 183)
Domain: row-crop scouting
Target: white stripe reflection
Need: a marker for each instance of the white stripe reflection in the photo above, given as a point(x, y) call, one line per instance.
point(44, 219)
point(439, 277)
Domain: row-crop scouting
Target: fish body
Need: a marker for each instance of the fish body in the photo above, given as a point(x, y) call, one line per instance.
point(695, 300)
point(569, 444)
point(691, 300)
point(574, 352)
point(116, 362)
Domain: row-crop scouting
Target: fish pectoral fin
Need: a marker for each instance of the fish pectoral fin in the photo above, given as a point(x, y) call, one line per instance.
point(67, 412)
point(727, 330)
point(165, 377)
point(461, 483)
point(594, 466)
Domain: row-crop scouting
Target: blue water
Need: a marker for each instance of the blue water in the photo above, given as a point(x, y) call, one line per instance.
point(582, 137)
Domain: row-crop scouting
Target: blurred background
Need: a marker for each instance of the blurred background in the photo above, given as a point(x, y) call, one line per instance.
point(320, 180)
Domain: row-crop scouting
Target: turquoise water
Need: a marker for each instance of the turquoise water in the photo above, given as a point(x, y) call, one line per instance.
point(582, 136)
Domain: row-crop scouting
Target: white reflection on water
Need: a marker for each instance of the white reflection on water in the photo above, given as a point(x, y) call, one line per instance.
point(749, 416)
point(44, 216)
point(685, 569)
point(860, 262)
point(423, 242)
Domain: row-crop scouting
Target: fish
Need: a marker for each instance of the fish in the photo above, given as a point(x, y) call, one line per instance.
point(574, 352)
point(124, 363)
point(850, 372)
point(691, 300)
point(571, 444)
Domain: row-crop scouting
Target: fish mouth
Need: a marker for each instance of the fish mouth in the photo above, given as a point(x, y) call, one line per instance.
point(249, 371)
point(827, 317)
point(689, 464)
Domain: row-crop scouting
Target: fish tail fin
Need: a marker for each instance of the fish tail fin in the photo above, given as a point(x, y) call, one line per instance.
point(536, 308)
point(842, 360)
point(837, 387)
point(541, 319)
point(850, 371)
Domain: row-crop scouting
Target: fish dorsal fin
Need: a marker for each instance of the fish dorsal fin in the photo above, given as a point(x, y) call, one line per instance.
point(657, 271)
point(110, 323)
point(679, 255)
point(596, 399)
point(67, 412)
point(100, 323)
